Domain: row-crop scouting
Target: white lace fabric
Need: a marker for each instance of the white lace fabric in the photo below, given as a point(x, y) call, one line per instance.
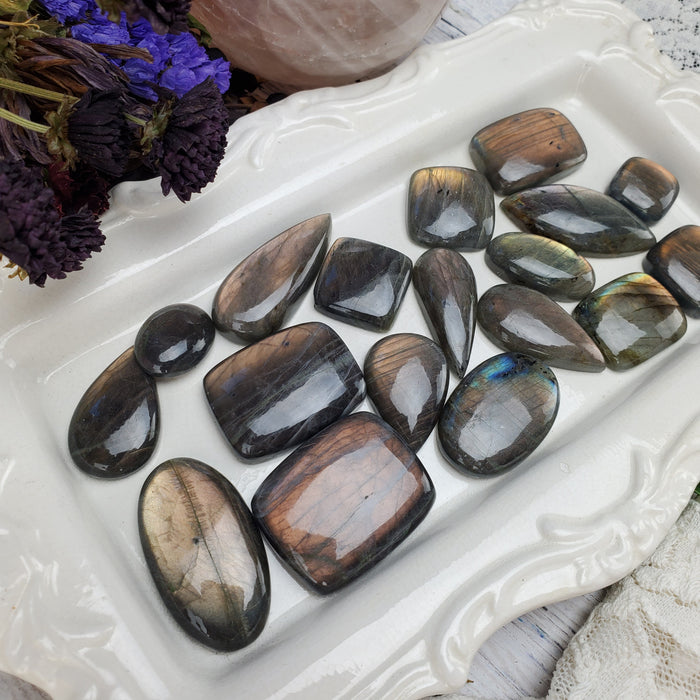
point(643, 640)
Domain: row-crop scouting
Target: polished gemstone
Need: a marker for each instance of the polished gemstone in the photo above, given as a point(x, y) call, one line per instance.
point(498, 414)
point(173, 340)
point(342, 501)
point(407, 378)
point(255, 297)
point(524, 320)
point(586, 220)
point(631, 319)
point(446, 288)
point(283, 389)
point(205, 553)
point(541, 263)
point(527, 149)
point(675, 262)
point(646, 188)
point(450, 207)
point(362, 283)
point(115, 425)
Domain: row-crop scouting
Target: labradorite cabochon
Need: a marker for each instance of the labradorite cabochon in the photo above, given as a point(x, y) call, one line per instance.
point(541, 263)
point(283, 389)
point(362, 283)
point(205, 553)
point(527, 149)
point(342, 501)
point(498, 414)
point(256, 296)
point(173, 340)
point(631, 319)
point(586, 220)
point(115, 426)
point(646, 188)
point(446, 287)
point(524, 320)
point(675, 262)
point(407, 378)
point(450, 207)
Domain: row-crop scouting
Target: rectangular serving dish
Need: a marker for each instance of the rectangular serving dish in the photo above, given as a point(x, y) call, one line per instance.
point(82, 616)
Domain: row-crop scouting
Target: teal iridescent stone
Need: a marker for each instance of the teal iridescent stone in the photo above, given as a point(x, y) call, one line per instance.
point(541, 263)
point(498, 414)
point(588, 221)
point(631, 319)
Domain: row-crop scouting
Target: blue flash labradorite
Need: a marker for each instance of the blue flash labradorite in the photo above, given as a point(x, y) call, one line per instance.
point(498, 414)
point(205, 553)
point(541, 263)
point(283, 389)
point(446, 289)
point(362, 283)
point(588, 221)
point(407, 378)
point(631, 319)
point(520, 319)
point(115, 426)
point(450, 207)
point(173, 340)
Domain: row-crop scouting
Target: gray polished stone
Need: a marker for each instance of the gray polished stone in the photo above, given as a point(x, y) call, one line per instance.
point(450, 207)
point(527, 149)
point(646, 188)
point(407, 378)
point(205, 553)
point(342, 501)
point(588, 221)
point(115, 425)
point(283, 389)
point(541, 263)
point(675, 262)
point(631, 319)
point(446, 289)
point(254, 299)
point(524, 320)
point(173, 340)
point(362, 283)
point(498, 414)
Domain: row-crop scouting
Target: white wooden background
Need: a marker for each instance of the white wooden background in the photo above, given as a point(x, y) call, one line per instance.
point(519, 659)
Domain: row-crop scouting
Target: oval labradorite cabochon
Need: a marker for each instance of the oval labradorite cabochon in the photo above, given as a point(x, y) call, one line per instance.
point(205, 553)
point(114, 427)
point(173, 340)
point(498, 414)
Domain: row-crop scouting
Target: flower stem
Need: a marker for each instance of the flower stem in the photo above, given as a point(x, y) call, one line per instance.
point(26, 123)
point(16, 86)
point(135, 120)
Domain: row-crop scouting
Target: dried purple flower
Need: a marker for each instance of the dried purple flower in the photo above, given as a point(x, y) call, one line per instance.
point(188, 151)
point(165, 16)
point(100, 29)
point(97, 129)
point(69, 10)
point(75, 189)
point(81, 235)
point(29, 223)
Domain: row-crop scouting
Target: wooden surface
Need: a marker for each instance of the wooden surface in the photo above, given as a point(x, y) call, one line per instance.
point(519, 659)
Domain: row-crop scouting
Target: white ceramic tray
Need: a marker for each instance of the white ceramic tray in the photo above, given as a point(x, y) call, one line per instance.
point(80, 615)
